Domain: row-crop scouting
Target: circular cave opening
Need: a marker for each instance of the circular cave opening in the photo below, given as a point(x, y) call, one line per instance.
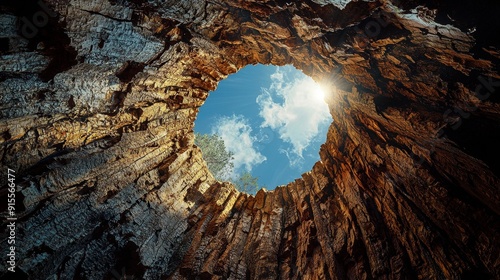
point(262, 127)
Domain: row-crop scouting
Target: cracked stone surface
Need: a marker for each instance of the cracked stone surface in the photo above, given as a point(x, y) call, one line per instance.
point(97, 113)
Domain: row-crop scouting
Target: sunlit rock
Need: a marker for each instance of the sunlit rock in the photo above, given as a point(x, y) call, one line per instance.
point(97, 116)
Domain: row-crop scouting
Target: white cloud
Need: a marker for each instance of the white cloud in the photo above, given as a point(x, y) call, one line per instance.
point(236, 133)
point(301, 115)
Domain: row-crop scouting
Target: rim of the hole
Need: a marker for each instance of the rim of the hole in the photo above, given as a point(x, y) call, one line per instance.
point(327, 89)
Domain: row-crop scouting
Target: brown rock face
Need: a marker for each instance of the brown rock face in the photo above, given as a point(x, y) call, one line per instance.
point(98, 100)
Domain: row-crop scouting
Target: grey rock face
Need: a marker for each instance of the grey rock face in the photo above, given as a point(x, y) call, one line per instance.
point(97, 113)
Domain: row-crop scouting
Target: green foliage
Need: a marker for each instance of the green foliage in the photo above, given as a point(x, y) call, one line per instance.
point(218, 159)
point(219, 162)
point(247, 183)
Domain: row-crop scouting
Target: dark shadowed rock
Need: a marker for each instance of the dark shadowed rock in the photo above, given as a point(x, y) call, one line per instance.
point(97, 113)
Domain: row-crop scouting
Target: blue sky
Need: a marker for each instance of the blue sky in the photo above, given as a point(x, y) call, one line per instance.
point(272, 118)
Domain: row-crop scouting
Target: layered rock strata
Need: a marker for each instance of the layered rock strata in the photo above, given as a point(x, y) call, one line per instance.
point(98, 100)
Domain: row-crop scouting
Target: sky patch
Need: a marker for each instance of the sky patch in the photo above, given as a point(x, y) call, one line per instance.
point(239, 139)
point(293, 106)
point(273, 119)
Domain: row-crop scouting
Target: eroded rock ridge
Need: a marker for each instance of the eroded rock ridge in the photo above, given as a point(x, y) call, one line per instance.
point(98, 100)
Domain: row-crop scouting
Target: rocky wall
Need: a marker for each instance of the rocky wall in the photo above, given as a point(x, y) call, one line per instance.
point(98, 101)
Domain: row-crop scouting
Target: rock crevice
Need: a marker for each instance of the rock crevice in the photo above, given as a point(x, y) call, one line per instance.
point(97, 117)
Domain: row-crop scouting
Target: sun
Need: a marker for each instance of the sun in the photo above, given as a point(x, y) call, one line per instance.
point(318, 92)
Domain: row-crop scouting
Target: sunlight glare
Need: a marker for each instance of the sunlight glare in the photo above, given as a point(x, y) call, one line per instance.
point(318, 92)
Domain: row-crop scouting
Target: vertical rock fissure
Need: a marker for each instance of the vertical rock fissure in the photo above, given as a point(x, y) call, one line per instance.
point(97, 121)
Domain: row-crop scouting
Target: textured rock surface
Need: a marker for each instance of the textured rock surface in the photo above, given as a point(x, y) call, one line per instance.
point(97, 112)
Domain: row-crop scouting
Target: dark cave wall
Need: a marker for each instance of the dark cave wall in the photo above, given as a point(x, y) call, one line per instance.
point(97, 117)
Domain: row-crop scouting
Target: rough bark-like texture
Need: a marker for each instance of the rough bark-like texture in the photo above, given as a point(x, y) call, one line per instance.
point(97, 113)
